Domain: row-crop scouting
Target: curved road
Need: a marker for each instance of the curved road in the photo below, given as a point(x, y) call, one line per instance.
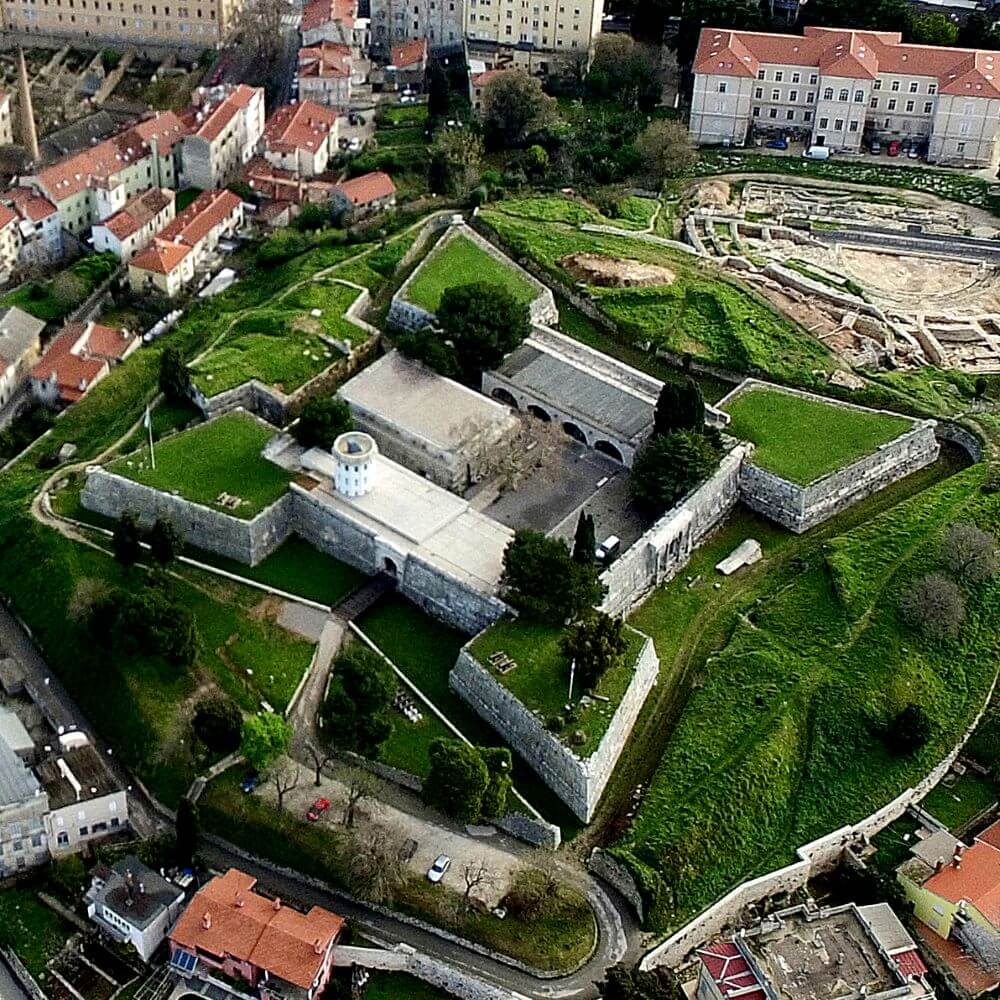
point(618, 931)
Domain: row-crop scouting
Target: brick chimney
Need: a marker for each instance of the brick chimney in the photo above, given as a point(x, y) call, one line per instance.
point(276, 904)
point(318, 946)
point(206, 920)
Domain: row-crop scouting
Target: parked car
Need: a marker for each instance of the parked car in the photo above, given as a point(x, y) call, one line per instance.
point(437, 871)
point(319, 808)
point(817, 153)
point(894, 148)
point(913, 152)
point(250, 782)
point(780, 143)
point(875, 147)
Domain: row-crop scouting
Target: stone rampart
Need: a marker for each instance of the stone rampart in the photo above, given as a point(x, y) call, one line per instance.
point(249, 541)
point(801, 507)
point(666, 547)
point(578, 781)
point(406, 315)
point(448, 598)
point(812, 859)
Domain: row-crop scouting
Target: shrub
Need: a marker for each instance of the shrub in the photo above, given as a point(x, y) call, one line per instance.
point(218, 723)
point(670, 465)
point(357, 713)
point(457, 781)
point(322, 420)
point(596, 644)
point(908, 730)
point(934, 605)
point(970, 553)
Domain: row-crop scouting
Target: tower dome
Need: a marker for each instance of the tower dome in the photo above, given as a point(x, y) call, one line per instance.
point(355, 454)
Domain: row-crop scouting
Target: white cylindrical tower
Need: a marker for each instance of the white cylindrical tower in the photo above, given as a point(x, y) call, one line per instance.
point(355, 454)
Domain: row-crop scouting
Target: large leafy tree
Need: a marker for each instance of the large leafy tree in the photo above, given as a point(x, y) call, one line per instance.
point(357, 713)
point(500, 766)
point(625, 72)
point(541, 578)
point(175, 379)
point(218, 723)
point(680, 407)
point(457, 781)
point(484, 322)
point(668, 466)
point(322, 420)
point(596, 643)
point(665, 150)
point(514, 108)
point(456, 162)
point(265, 738)
point(585, 540)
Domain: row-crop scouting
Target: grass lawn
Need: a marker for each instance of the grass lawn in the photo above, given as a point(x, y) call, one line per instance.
point(957, 804)
point(44, 302)
point(541, 679)
point(462, 262)
point(399, 986)
point(804, 439)
point(34, 932)
point(221, 456)
point(778, 742)
point(283, 344)
point(297, 568)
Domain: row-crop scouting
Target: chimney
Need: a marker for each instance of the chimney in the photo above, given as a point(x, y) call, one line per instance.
point(957, 859)
point(29, 137)
point(939, 865)
point(142, 889)
point(206, 920)
point(276, 904)
point(318, 946)
point(239, 898)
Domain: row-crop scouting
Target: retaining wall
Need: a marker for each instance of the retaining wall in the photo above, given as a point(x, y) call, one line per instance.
point(578, 781)
point(813, 859)
point(406, 315)
point(666, 547)
point(247, 541)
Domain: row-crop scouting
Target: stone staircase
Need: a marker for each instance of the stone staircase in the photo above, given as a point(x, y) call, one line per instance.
point(355, 605)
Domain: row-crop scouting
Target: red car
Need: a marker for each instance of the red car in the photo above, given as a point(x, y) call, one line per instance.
point(894, 148)
point(317, 809)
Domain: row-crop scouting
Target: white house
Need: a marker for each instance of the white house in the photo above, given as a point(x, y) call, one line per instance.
point(133, 904)
point(132, 229)
point(325, 74)
point(301, 138)
point(20, 342)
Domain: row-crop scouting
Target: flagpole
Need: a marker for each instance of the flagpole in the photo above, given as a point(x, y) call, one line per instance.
point(149, 427)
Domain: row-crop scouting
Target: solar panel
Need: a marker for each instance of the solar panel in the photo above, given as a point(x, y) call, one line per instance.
point(184, 961)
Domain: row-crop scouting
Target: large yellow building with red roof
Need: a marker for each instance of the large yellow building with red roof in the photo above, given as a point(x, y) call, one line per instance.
point(832, 86)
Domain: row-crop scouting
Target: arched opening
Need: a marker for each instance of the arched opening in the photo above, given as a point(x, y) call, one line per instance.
point(501, 395)
point(537, 411)
point(607, 448)
point(389, 567)
point(574, 432)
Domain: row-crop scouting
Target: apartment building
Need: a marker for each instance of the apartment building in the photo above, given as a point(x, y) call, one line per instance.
point(77, 359)
point(132, 229)
point(39, 232)
point(333, 21)
point(441, 22)
point(223, 137)
point(835, 87)
point(6, 120)
point(301, 138)
point(325, 75)
point(96, 183)
point(188, 24)
point(23, 805)
point(20, 343)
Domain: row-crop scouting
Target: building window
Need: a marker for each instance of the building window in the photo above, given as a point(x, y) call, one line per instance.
point(909, 105)
point(793, 96)
point(859, 96)
point(838, 125)
point(895, 86)
point(854, 126)
point(961, 147)
point(772, 112)
point(928, 107)
point(775, 95)
point(810, 97)
point(823, 122)
point(756, 112)
point(877, 85)
point(778, 76)
point(828, 94)
point(759, 93)
point(807, 116)
point(914, 86)
point(813, 78)
point(892, 104)
point(932, 88)
point(845, 94)
point(873, 103)
point(796, 77)
point(723, 87)
point(63, 838)
point(761, 75)
point(790, 115)
point(83, 831)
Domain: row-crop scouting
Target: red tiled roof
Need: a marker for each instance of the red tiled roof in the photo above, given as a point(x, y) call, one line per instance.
point(138, 212)
point(206, 212)
point(409, 53)
point(227, 917)
point(73, 374)
point(367, 188)
point(481, 79)
point(991, 835)
point(730, 971)
point(299, 126)
point(165, 127)
point(972, 977)
point(976, 880)
point(848, 53)
point(910, 963)
point(7, 216)
point(320, 12)
point(219, 117)
point(160, 257)
point(30, 205)
point(327, 59)
point(109, 342)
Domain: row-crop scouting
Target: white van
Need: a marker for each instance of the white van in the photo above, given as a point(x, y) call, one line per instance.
point(817, 153)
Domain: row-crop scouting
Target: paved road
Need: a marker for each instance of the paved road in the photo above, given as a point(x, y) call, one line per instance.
point(964, 247)
point(10, 988)
point(617, 940)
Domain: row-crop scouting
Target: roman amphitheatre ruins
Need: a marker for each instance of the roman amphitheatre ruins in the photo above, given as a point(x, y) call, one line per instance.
point(886, 280)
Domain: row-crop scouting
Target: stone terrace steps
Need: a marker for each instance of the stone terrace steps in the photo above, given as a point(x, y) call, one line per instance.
point(355, 605)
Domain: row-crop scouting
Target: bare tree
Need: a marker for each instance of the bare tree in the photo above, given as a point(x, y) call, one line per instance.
point(361, 786)
point(320, 758)
point(374, 866)
point(934, 604)
point(476, 875)
point(971, 553)
point(260, 27)
point(285, 778)
point(666, 150)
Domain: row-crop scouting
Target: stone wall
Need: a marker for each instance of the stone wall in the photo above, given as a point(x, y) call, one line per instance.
point(800, 508)
point(247, 541)
point(447, 598)
point(666, 547)
point(812, 859)
point(405, 315)
point(579, 782)
point(607, 867)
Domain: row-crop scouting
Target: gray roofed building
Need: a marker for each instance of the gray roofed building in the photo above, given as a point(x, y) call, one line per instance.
point(13, 733)
point(133, 904)
point(23, 806)
point(598, 400)
point(940, 845)
point(20, 343)
point(17, 783)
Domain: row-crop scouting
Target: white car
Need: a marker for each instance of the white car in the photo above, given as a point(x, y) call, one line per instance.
point(354, 145)
point(440, 867)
